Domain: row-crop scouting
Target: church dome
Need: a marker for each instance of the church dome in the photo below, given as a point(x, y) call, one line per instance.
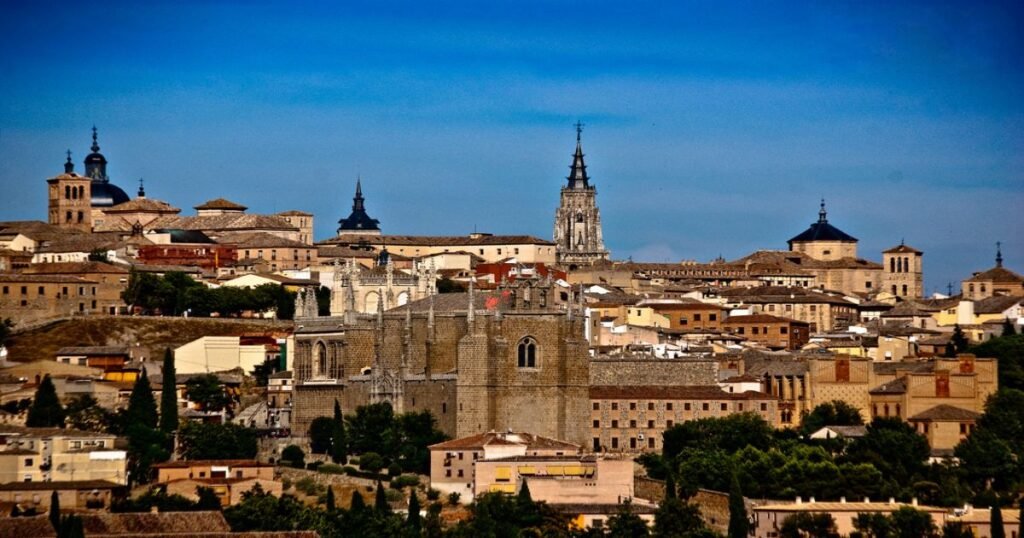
point(106, 194)
point(822, 231)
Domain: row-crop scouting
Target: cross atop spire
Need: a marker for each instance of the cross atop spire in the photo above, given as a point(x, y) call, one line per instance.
point(578, 170)
point(142, 189)
point(579, 130)
point(69, 166)
point(999, 254)
point(95, 144)
point(822, 214)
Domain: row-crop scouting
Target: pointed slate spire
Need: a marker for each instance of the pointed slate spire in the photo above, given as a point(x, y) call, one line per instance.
point(999, 254)
point(357, 200)
point(69, 166)
point(578, 170)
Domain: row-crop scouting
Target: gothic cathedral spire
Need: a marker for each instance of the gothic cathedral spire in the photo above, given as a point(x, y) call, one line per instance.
point(577, 234)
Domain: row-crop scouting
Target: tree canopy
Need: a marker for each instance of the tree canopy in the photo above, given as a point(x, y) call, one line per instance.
point(46, 410)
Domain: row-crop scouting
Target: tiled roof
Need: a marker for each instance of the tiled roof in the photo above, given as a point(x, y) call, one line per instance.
point(901, 249)
point(896, 386)
point(762, 318)
point(240, 222)
point(849, 431)
point(43, 279)
point(93, 350)
point(260, 240)
point(34, 527)
point(997, 274)
point(822, 231)
point(438, 240)
point(781, 294)
point(185, 464)
point(946, 412)
point(602, 508)
point(842, 507)
point(148, 523)
point(221, 203)
point(74, 268)
point(996, 305)
point(295, 213)
point(532, 442)
point(62, 484)
point(682, 392)
point(142, 205)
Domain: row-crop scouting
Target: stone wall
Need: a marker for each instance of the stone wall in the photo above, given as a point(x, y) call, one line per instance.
point(650, 371)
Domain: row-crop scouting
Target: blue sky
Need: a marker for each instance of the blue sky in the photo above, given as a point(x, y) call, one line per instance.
point(710, 129)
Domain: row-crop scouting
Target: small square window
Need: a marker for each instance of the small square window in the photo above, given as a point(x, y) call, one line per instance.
point(597, 406)
point(668, 406)
point(632, 406)
point(597, 423)
point(650, 406)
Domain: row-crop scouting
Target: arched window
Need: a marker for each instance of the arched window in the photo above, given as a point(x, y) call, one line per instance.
point(67, 192)
point(892, 265)
point(906, 265)
point(527, 353)
point(579, 217)
point(67, 217)
point(320, 359)
point(81, 217)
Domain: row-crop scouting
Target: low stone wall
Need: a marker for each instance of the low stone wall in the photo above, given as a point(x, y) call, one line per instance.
point(649, 488)
point(326, 479)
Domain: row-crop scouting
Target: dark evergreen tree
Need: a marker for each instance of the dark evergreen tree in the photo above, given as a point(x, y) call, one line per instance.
point(380, 501)
point(357, 504)
point(55, 511)
point(207, 500)
point(70, 527)
point(168, 396)
point(529, 514)
point(739, 526)
point(949, 351)
point(671, 491)
point(676, 519)
point(141, 404)
point(626, 524)
point(330, 499)
point(1008, 327)
point(46, 411)
point(339, 441)
point(996, 529)
point(959, 339)
point(413, 521)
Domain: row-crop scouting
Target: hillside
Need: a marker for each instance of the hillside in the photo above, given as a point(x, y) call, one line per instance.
point(152, 334)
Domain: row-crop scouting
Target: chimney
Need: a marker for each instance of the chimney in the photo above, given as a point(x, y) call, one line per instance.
point(812, 499)
point(892, 500)
point(799, 500)
point(867, 500)
point(913, 501)
point(154, 509)
point(842, 500)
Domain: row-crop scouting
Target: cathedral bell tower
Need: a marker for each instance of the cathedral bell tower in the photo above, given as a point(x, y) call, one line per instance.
point(577, 235)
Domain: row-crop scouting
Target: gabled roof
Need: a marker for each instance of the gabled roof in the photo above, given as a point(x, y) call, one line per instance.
point(996, 274)
point(93, 350)
point(896, 386)
point(996, 305)
point(143, 205)
point(531, 441)
point(63, 484)
point(901, 249)
point(946, 412)
point(221, 203)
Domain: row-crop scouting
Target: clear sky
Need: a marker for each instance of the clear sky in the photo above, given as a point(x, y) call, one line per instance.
point(710, 130)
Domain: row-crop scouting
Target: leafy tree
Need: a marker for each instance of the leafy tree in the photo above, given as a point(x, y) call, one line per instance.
point(46, 411)
point(1009, 350)
point(321, 430)
point(809, 525)
point(447, 285)
point(873, 525)
point(626, 524)
point(729, 434)
point(834, 413)
point(5, 330)
point(207, 500)
point(996, 529)
point(955, 529)
point(141, 405)
point(671, 492)
point(200, 441)
point(986, 459)
point(339, 440)
point(294, 455)
point(432, 524)
point(371, 429)
point(169, 396)
point(208, 392)
point(1008, 328)
point(959, 339)
point(675, 519)
point(415, 432)
point(330, 499)
point(84, 413)
point(909, 522)
point(413, 519)
point(371, 461)
point(55, 511)
point(738, 523)
point(893, 447)
point(70, 527)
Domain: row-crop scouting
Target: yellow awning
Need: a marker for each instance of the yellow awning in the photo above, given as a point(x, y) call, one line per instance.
point(503, 473)
point(573, 470)
point(589, 471)
point(527, 470)
point(502, 488)
point(555, 469)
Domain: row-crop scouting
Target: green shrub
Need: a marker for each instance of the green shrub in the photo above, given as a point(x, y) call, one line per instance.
point(405, 481)
point(330, 468)
point(433, 494)
point(294, 455)
point(353, 461)
point(393, 495)
point(453, 498)
point(309, 486)
point(348, 469)
point(372, 462)
point(286, 484)
point(394, 469)
point(314, 465)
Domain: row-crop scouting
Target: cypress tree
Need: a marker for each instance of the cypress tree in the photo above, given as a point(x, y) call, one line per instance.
point(358, 504)
point(996, 523)
point(670, 487)
point(330, 499)
point(1008, 328)
point(739, 526)
point(959, 339)
point(339, 439)
point(414, 512)
point(55, 511)
point(380, 502)
point(46, 411)
point(168, 396)
point(141, 405)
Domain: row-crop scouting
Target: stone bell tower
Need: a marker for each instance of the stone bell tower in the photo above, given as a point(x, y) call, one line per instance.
point(577, 234)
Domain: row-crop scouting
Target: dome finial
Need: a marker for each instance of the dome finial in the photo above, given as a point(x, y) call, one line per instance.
point(822, 214)
point(69, 166)
point(142, 189)
point(999, 254)
point(95, 144)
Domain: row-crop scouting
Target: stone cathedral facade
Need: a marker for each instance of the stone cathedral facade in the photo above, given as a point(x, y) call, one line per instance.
point(577, 234)
point(510, 359)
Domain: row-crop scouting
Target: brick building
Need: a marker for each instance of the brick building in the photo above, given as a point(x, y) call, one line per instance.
point(770, 331)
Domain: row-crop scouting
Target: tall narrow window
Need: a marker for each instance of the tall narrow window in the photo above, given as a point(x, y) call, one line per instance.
point(527, 353)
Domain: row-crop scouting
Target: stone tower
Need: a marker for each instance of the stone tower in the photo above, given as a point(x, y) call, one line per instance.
point(903, 275)
point(577, 234)
point(70, 198)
